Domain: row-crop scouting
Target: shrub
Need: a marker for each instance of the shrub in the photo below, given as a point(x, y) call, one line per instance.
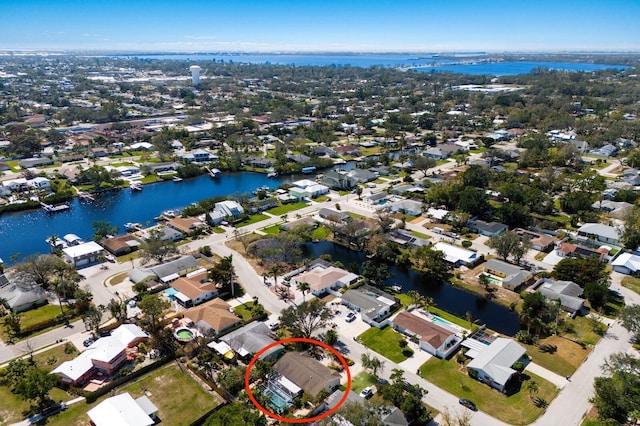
point(408, 352)
point(466, 244)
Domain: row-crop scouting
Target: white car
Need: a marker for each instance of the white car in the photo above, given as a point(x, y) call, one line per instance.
point(366, 392)
point(351, 317)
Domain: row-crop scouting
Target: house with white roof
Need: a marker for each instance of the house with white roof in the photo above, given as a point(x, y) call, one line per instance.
point(123, 410)
point(493, 364)
point(40, 183)
point(19, 292)
point(626, 263)
point(226, 210)
point(567, 292)
point(374, 305)
point(106, 355)
point(322, 278)
point(600, 232)
point(83, 254)
point(457, 256)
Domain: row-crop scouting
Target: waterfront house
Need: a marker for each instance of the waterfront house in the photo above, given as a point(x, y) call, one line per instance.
point(373, 304)
point(166, 272)
point(226, 210)
point(493, 364)
point(510, 276)
point(40, 183)
point(406, 238)
point(212, 317)
point(347, 150)
point(186, 225)
point(307, 373)
point(600, 232)
point(433, 339)
point(106, 355)
point(567, 292)
point(257, 206)
point(488, 229)
point(17, 184)
point(362, 175)
point(338, 180)
point(410, 207)
point(322, 278)
point(333, 215)
point(457, 256)
point(83, 254)
point(123, 410)
point(626, 263)
point(164, 233)
point(250, 339)
point(194, 288)
point(120, 245)
point(19, 292)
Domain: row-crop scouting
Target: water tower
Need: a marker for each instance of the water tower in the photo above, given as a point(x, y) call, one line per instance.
point(195, 74)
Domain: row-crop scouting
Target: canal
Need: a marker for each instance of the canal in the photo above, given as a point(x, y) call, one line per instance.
point(25, 232)
point(445, 296)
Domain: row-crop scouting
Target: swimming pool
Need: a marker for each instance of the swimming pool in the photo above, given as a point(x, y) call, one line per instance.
point(437, 320)
point(277, 401)
point(183, 334)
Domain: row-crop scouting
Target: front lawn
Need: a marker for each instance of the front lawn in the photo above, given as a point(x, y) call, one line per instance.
point(557, 354)
point(420, 235)
point(180, 400)
point(631, 283)
point(322, 199)
point(516, 408)
point(39, 315)
point(271, 230)
point(362, 380)
point(286, 208)
point(385, 341)
point(254, 218)
point(246, 311)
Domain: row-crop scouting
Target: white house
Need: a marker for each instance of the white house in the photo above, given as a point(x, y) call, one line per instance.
point(457, 256)
point(434, 339)
point(626, 263)
point(226, 210)
point(493, 364)
point(322, 278)
point(123, 410)
point(40, 183)
point(600, 232)
point(374, 305)
point(83, 254)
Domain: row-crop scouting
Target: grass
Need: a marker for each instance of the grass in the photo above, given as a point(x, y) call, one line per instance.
point(245, 311)
point(41, 314)
point(271, 230)
point(449, 317)
point(420, 235)
point(322, 199)
point(516, 408)
point(362, 380)
point(180, 400)
point(218, 230)
point(254, 218)
point(614, 305)
point(631, 283)
point(385, 341)
point(118, 278)
point(128, 257)
point(356, 215)
point(286, 208)
point(320, 233)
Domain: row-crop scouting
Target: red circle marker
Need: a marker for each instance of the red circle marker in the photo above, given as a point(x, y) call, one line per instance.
point(294, 340)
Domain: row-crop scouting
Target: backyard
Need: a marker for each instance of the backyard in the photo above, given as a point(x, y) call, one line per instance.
point(254, 218)
point(517, 408)
point(385, 341)
point(180, 400)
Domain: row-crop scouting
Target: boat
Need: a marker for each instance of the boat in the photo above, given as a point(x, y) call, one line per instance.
point(86, 196)
point(135, 186)
point(170, 214)
point(177, 179)
point(308, 170)
point(132, 226)
point(272, 175)
point(396, 288)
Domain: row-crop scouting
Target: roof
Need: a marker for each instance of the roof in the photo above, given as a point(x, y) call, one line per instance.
point(320, 278)
point(490, 227)
point(120, 410)
point(600, 230)
point(496, 360)
point(251, 339)
point(504, 267)
point(369, 303)
point(305, 372)
point(115, 244)
point(213, 314)
point(182, 264)
point(455, 254)
point(194, 286)
point(185, 224)
point(16, 295)
point(427, 331)
point(628, 260)
point(82, 249)
point(567, 292)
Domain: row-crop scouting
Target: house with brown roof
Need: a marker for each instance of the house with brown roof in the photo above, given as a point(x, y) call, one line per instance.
point(194, 288)
point(213, 317)
point(186, 225)
point(307, 373)
point(539, 242)
point(322, 278)
point(574, 250)
point(434, 339)
point(120, 245)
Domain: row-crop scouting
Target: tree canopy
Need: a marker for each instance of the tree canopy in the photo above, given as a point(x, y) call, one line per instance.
point(307, 318)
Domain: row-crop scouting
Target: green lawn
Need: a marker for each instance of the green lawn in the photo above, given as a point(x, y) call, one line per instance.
point(218, 230)
point(513, 409)
point(449, 317)
point(41, 314)
point(180, 400)
point(631, 283)
point(322, 199)
point(320, 233)
point(420, 235)
point(362, 380)
point(614, 304)
point(385, 341)
point(286, 208)
point(356, 215)
point(245, 311)
point(254, 218)
point(272, 230)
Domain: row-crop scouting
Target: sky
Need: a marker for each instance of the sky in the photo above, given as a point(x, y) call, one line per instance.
point(314, 25)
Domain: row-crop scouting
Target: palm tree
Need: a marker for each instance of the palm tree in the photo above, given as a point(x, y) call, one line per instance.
point(304, 288)
point(53, 242)
point(533, 388)
point(275, 271)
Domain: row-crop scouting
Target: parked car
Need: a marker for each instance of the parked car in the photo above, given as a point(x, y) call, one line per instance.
point(274, 326)
point(104, 333)
point(351, 317)
point(466, 403)
point(87, 343)
point(366, 392)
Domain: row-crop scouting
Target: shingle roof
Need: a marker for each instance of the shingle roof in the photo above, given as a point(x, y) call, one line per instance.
point(496, 360)
point(428, 332)
point(214, 314)
point(305, 372)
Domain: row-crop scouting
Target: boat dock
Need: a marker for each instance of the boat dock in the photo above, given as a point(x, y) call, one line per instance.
point(54, 209)
point(214, 173)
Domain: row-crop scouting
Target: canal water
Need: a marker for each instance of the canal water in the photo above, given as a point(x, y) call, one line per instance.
point(25, 232)
point(445, 296)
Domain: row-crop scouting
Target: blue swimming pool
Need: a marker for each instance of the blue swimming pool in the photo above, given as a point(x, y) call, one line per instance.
point(438, 320)
point(277, 401)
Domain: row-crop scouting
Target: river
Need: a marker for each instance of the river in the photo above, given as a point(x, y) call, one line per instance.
point(445, 296)
point(25, 232)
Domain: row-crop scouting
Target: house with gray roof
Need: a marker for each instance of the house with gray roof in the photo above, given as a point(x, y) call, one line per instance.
point(374, 305)
point(493, 365)
point(626, 263)
point(511, 276)
point(567, 292)
point(250, 339)
point(20, 293)
point(488, 229)
point(600, 232)
point(377, 198)
point(307, 373)
point(165, 272)
point(362, 175)
point(410, 207)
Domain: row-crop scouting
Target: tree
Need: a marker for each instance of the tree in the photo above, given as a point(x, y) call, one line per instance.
point(65, 283)
point(232, 379)
point(156, 248)
point(631, 234)
point(34, 384)
point(458, 219)
point(372, 363)
point(581, 270)
point(275, 273)
point(423, 164)
point(630, 319)
point(154, 308)
point(432, 264)
point(40, 267)
point(238, 414)
point(617, 396)
point(449, 419)
point(223, 273)
point(331, 337)
point(12, 325)
point(509, 243)
point(307, 318)
point(416, 298)
point(118, 309)
point(304, 288)
point(376, 273)
point(102, 228)
point(92, 318)
point(532, 387)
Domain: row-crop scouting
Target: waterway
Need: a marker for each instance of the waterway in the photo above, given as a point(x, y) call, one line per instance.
point(445, 296)
point(25, 232)
point(424, 62)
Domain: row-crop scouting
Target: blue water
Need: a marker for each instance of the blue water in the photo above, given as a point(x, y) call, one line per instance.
point(25, 232)
point(422, 60)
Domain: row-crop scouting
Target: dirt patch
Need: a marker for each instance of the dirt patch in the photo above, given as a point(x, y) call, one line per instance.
point(498, 294)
